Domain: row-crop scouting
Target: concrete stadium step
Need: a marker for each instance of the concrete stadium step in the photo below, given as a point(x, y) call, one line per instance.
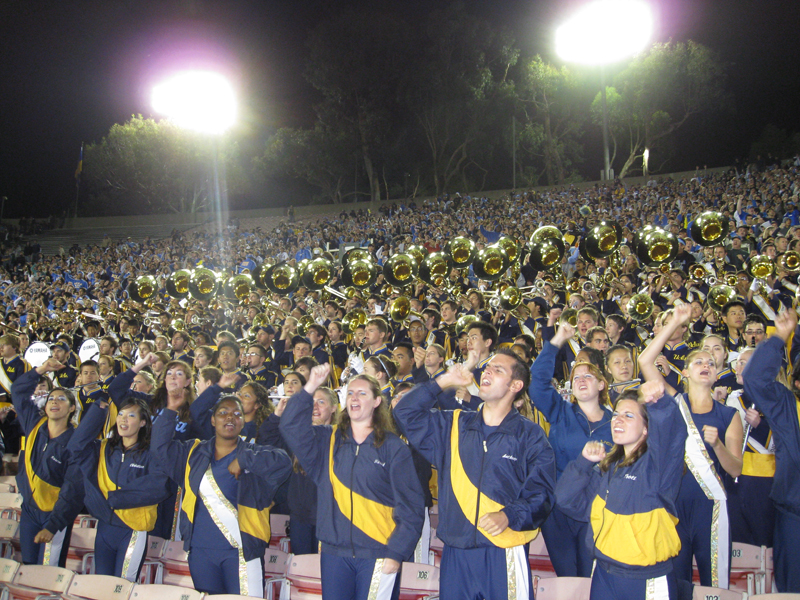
point(51, 241)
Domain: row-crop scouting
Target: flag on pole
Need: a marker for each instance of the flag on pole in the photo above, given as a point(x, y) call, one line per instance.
point(79, 170)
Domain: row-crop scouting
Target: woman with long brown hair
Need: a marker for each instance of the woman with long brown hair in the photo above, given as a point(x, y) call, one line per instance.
point(586, 418)
point(713, 445)
point(369, 500)
point(628, 495)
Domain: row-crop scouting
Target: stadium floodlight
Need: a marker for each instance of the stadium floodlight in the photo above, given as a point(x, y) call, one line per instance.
point(605, 32)
point(601, 33)
point(203, 101)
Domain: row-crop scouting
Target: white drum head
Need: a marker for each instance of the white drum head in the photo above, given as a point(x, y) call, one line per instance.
point(89, 350)
point(37, 354)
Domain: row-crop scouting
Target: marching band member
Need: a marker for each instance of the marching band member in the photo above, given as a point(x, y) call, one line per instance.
point(48, 480)
point(369, 501)
point(496, 475)
point(572, 425)
point(780, 406)
point(628, 496)
point(228, 489)
point(714, 443)
point(123, 495)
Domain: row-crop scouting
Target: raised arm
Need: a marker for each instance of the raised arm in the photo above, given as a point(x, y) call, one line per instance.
point(543, 394)
point(308, 442)
point(22, 389)
point(169, 455)
point(666, 436)
point(120, 390)
point(428, 430)
point(647, 359)
point(83, 445)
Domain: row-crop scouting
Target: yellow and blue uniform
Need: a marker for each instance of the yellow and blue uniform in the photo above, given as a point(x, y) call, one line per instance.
point(48, 479)
point(186, 463)
point(482, 469)
point(13, 368)
point(782, 410)
point(369, 500)
point(698, 526)
point(570, 429)
point(123, 488)
point(752, 519)
point(631, 510)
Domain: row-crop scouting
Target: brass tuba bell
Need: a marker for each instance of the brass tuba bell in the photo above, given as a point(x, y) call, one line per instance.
point(401, 310)
point(640, 307)
point(461, 251)
point(143, 288)
point(353, 319)
point(761, 267)
point(282, 279)
point(317, 274)
point(490, 263)
point(435, 268)
point(360, 274)
point(604, 239)
point(790, 261)
point(719, 296)
point(178, 284)
point(204, 284)
point(238, 287)
point(400, 270)
point(709, 229)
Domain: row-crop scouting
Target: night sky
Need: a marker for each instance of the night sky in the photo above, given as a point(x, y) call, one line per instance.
point(72, 69)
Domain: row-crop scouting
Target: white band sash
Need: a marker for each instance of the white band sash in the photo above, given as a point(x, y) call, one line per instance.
point(5, 381)
point(765, 308)
point(702, 467)
point(226, 518)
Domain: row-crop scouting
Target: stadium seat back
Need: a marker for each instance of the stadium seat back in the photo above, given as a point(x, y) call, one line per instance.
point(98, 587)
point(32, 581)
point(164, 592)
point(418, 581)
point(559, 588)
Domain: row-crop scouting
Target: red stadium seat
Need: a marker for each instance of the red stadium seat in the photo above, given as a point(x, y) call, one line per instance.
point(276, 562)
point(176, 566)
point(563, 588)
point(10, 505)
point(711, 593)
point(279, 537)
point(32, 581)
point(418, 581)
point(303, 579)
point(98, 587)
point(152, 567)
point(164, 592)
point(80, 554)
point(539, 558)
point(9, 528)
point(748, 569)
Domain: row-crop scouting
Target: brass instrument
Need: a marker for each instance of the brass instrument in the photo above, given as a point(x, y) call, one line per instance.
point(400, 270)
point(401, 310)
point(604, 239)
point(710, 229)
point(569, 316)
point(491, 263)
point(461, 251)
point(640, 307)
point(761, 267)
point(356, 317)
point(463, 322)
point(698, 273)
point(435, 268)
point(417, 252)
point(317, 274)
point(790, 261)
point(142, 288)
point(282, 279)
point(511, 248)
point(204, 284)
point(657, 249)
point(360, 274)
point(178, 284)
point(719, 296)
point(547, 248)
point(259, 273)
point(354, 254)
point(303, 324)
point(238, 287)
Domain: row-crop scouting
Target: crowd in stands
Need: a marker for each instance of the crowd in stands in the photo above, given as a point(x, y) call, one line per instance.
point(513, 421)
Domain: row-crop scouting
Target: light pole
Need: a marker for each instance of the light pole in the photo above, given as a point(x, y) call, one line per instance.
point(201, 101)
point(604, 32)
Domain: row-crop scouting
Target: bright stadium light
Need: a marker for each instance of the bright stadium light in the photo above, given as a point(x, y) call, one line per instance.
point(601, 33)
point(199, 100)
point(605, 31)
